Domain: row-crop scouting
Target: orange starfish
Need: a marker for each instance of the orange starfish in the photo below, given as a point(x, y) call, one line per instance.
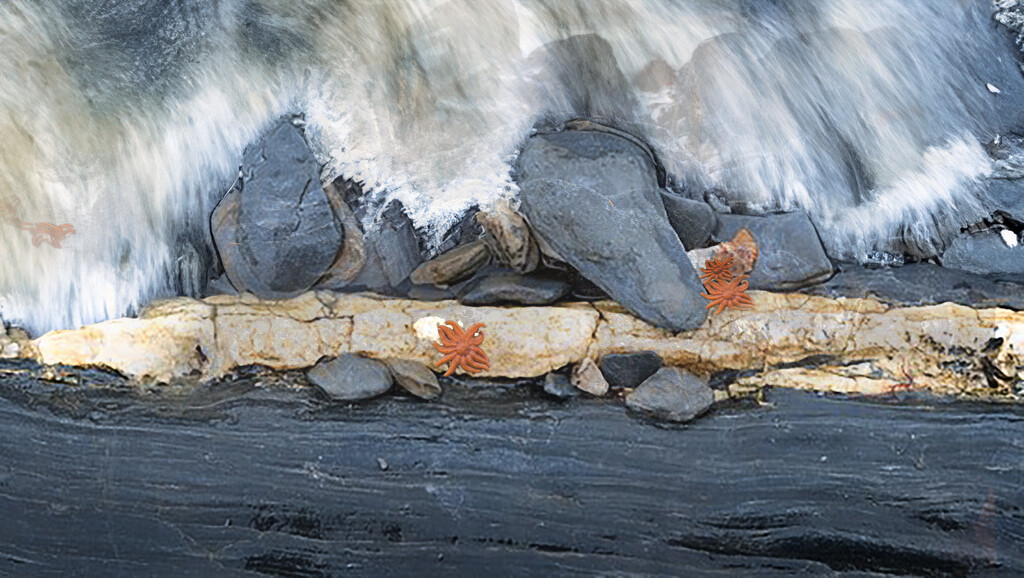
point(731, 294)
point(53, 234)
point(715, 270)
point(462, 348)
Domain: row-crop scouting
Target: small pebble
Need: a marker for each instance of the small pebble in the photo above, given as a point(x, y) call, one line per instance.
point(382, 464)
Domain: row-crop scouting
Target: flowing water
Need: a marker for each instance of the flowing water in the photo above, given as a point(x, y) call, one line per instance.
point(127, 119)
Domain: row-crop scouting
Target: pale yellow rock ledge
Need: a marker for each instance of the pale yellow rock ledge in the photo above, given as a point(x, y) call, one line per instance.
point(856, 345)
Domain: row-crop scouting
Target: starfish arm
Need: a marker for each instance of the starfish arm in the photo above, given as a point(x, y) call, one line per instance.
point(474, 328)
point(446, 359)
point(446, 334)
point(443, 348)
point(721, 307)
point(476, 340)
point(459, 333)
point(478, 353)
point(452, 367)
point(472, 366)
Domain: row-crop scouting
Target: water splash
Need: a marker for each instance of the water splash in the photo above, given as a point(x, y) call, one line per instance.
point(128, 118)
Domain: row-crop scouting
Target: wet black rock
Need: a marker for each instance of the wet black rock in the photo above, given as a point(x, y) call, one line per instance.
point(351, 377)
point(1007, 196)
point(392, 250)
point(693, 221)
point(791, 255)
point(629, 369)
point(987, 253)
point(594, 199)
point(415, 378)
point(275, 232)
point(919, 284)
point(558, 385)
point(672, 394)
point(510, 288)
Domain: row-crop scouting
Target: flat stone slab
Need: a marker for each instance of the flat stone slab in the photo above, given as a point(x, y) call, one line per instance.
point(955, 349)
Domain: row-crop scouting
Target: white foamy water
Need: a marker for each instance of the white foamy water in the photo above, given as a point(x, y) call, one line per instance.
point(127, 118)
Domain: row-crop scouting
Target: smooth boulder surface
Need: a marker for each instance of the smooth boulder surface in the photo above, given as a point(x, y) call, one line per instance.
point(672, 394)
point(593, 197)
point(351, 377)
point(275, 232)
point(986, 253)
point(415, 378)
point(791, 254)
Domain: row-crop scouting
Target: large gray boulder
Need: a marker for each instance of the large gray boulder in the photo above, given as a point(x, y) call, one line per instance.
point(275, 231)
point(790, 252)
point(592, 198)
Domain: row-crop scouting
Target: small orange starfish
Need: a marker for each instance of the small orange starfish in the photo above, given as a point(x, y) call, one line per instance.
point(731, 294)
point(462, 348)
point(715, 270)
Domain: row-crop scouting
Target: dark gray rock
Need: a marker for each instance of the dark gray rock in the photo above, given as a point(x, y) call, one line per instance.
point(276, 234)
point(415, 378)
point(693, 221)
point(791, 255)
point(456, 265)
point(1007, 196)
point(919, 284)
point(393, 251)
point(559, 386)
point(509, 288)
point(987, 254)
point(593, 198)
point(629, 369)
point(672, 394)
point(351, 377)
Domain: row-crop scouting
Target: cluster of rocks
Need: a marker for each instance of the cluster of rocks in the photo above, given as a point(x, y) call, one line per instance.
point(666, 393)
point(593, 222)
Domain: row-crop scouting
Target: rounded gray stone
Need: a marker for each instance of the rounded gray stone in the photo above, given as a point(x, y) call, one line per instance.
point(351, 377)
point(672, 394)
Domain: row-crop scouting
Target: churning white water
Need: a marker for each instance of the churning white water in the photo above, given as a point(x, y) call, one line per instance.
point(127, 118)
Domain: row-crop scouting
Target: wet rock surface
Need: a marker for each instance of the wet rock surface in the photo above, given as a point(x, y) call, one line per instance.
point(629, 369)
point(281, 482)
point(695, 222)
point(392, 250)
point(509, 288)
point(559, 385)
point(791, 254)
point(276, 233)
point(350, 377)
point(415, 378)
point(919, 284)
point(456, 265)
point(672, 394)
point(987, 253)
point(588, 195)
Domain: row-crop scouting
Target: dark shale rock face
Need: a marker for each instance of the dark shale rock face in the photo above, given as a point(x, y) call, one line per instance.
point(593, 199)
point(987, 253)
point(276, 233)
point(791, 255)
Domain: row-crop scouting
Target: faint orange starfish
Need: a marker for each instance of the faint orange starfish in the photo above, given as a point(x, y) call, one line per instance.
point(731, 294)
point(53, 234)
point(462, 348)
point(715, 270)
